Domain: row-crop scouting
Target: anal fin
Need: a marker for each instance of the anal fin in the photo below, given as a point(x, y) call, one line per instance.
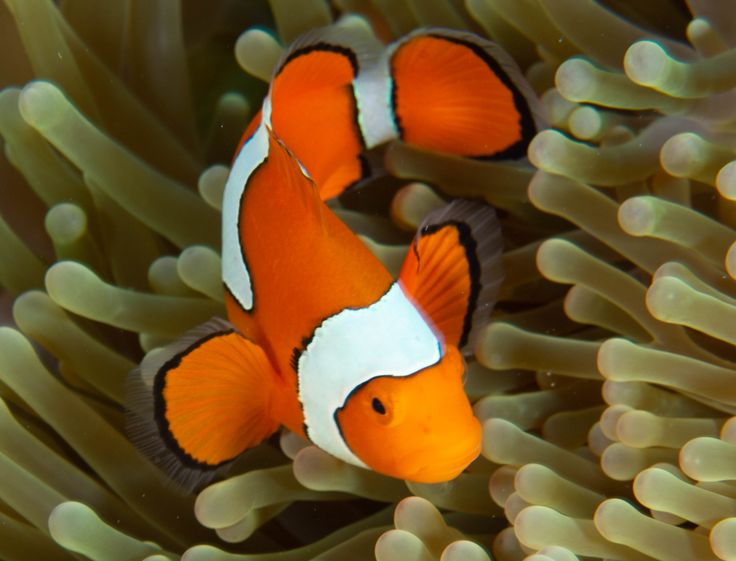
point(200, 402)
point(453, 269)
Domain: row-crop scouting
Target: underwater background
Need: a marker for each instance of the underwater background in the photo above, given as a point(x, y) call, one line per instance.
point(605, 383)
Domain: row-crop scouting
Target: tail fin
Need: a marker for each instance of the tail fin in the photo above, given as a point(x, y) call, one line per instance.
point(453, 269)
point(457, 93)
point(200, 402)
point(334, 95)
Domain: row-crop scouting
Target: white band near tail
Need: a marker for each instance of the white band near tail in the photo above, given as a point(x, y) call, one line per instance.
point(372, 89)
point(235, 273)
point(387, 338)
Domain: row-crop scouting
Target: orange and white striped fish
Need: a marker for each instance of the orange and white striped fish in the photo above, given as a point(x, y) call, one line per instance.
point(320, 338)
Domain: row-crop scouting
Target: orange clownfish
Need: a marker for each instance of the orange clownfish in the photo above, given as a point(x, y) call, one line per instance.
point(321, 339)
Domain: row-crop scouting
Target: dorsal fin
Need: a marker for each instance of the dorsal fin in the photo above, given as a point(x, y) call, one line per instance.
point(453, 269)
point(292, 180)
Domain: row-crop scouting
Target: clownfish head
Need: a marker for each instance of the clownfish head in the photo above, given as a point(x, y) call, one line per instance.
point(419, 427)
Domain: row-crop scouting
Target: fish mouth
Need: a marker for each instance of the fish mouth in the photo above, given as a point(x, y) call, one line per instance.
point(440, 473)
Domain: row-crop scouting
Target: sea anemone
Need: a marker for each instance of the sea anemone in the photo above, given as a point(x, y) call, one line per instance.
point(605, 381)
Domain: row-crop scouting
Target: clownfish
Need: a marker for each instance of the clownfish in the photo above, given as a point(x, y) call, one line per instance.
point(320, 338)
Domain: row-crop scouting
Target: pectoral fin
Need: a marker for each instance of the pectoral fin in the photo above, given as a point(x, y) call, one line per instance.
point(453, 269)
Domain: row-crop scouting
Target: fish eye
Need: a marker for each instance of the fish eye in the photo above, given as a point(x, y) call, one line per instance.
point(378, 406)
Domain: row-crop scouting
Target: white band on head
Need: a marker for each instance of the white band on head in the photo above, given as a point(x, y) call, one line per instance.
point(387, 338)
point(234, 269)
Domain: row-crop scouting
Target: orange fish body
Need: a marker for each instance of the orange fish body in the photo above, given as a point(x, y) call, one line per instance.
point(322, 339)
point(314, 262)
point(359, 370)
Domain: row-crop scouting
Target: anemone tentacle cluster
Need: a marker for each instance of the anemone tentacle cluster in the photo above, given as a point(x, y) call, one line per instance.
point(605, 382)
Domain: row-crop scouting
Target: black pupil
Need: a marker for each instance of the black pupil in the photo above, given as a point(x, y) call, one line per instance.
point(378, 406)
